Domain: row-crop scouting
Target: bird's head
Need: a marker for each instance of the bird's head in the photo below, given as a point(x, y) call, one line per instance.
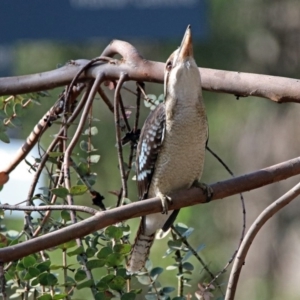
point(182, 77)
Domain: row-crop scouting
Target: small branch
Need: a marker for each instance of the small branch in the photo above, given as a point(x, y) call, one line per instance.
point(55, 141)
point(198, 257)
point(66, 168)
point(178, 259)
point(84, 209)
point(106, 99)
point(268, 213)
point(180, 199)
point(123, 76)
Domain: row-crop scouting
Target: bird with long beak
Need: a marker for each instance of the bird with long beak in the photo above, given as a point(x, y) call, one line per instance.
point(171, 148)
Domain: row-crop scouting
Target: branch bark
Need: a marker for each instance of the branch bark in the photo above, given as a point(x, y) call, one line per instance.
point(181, 199)
point(278, 89)
point(268, 213)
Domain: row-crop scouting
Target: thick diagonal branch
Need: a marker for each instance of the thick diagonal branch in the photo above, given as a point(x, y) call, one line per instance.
point(181, 199)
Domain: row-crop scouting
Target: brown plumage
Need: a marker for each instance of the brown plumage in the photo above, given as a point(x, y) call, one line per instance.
point(170, 154)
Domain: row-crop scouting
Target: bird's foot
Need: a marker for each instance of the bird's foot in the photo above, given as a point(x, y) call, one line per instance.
point(207, 190)
point(164, 202)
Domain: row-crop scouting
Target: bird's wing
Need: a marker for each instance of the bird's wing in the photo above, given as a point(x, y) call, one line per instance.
point(149, 145)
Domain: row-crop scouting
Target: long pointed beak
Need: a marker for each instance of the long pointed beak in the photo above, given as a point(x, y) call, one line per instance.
point(186, 47)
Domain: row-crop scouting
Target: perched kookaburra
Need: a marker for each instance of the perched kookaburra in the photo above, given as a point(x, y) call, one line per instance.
point(171, 149)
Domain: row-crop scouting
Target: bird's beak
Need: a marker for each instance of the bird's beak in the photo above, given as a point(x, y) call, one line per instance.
point(186, 47)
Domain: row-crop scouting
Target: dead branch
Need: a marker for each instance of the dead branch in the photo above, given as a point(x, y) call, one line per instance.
point(278, 89)
point(268, 213)
point(181, 199)
point(85, 209)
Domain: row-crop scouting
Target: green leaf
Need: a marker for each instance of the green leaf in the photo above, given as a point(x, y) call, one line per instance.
point(34, 272)
point(43, 266)
point(85, 284)
point(155, 272)
point(76, 251)
point(175, 245)
point(47, 279)
point(107, 278)
point(94, 158)
point(123, 273)
point(188, 266)
point(84, 146)
point(45, 297)
point(70, 281)
point(104, 252)
point(102, 286)
point(20, 266)
point(65, 215)
point(152, 296)
point(122, 248)
point(29, 261)
point(90, 252)
point(107, 295)
point(188, 232)
point(170, 268)
point(114, 259)
point(59, 296)
point(128, 296)
point(181, 227)
point(143, 279)
point(78, 190)
point(168, 290)
point(56, 267)
point(4, 137)
point(113, 232)
point(55, 154)
point(60, 192)
point(16, 122)
point(83, 169)
point(117, 283)
point(94, 131)
point(95, 263)
point(80, 275)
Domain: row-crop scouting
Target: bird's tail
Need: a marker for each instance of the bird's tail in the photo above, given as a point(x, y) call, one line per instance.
point(140, 251)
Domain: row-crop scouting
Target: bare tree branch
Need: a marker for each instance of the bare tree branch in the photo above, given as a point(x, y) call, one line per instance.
point(117, 99)
point(268, 213)
point(85, 209)
point(184, 198)
point(278, 89)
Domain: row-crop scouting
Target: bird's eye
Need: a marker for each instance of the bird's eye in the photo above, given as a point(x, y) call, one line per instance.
point(169, 65)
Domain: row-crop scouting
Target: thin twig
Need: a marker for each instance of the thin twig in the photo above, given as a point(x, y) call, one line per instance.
point(84, 209)
point(123, 77)
point(180, 268)
point(201, 261)
point(106, 99)
point(55, 141)
point(257, 225)
point(244, 220)
point(66, 168)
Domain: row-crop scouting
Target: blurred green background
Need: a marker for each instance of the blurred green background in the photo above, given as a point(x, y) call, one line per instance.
point(248, 134)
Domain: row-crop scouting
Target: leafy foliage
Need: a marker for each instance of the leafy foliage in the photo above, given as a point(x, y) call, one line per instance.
point(12, 108)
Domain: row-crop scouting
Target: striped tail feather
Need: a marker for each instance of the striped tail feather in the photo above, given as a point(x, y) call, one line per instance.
point(140, 251)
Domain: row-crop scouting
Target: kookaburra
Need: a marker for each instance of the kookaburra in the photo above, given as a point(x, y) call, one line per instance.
point(171, 148)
